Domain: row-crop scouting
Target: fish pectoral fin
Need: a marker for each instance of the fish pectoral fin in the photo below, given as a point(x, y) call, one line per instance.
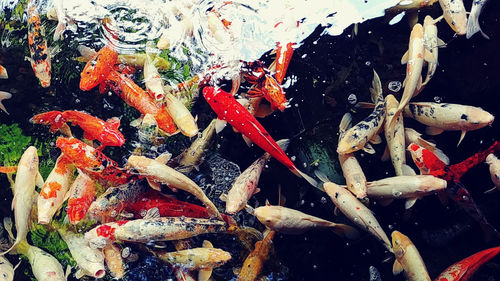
point(86, 52)
point(154, 185)
point(345, 123)
point(283, 144)
point(4, 96)
point(386, 155)
point(376, 139)
point(249, 209)
point(385, 202)
point(257, 190)
point(419, 83)
point(29, 59)
point(152, 213)
point(404, 59)
point(433, 131)
point(429, 57)
point(223, 197)
point(365, 105)
point(164, 158)
point(39, 180)
point(247, 140)
point(204, 274)
point(407, 170)
point(404, 81)
point(397, 268)
point(344, 230)
point(219, 125)
point(336, 211)
point(136, 123)
point(368, 148)
point(490, 190)
point(462, 135)
point(410, 202)
point(441, 43)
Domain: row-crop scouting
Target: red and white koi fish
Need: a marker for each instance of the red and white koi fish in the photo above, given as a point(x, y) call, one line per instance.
point(136, 97)
point(473, 21)
point(414, 60)
point(229, 110)
point(93, 162)
point(81, 194)
point(155, 229)
point(425, 160)
point(412, 136)
point(455, 15)
point(40, 56)
point(353, 173)
point(3, 73)
point(356, 211)
point(357, 137)
point(54, 190)
point(408, 259)
point(94, 128)
point(24, 190)
point(494, 163)
point(464, 269)
point(431, 43)
point(98, 68)
point(290, 221)
point(408, 187)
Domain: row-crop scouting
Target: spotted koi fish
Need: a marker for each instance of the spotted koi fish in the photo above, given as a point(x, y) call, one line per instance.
point(40, 57)
point(94, 128)
point(455, 15)
point(155, 229)
point(54, 190)
point(81, 195)
point(464, 269)
point(266, 86)
point(357, 137)
point(93, 162)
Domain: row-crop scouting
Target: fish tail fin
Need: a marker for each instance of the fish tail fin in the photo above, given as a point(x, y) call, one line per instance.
point(59, 31)
point(4, 96)
point(322, 176)
point(344, 230)
point(53, 118)
point(303, 175)
point(473, 26)
point(376, 89)
point(165, 122)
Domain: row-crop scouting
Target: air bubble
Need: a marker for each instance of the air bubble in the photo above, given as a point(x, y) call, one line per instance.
point(394, 86)
point(352, 99)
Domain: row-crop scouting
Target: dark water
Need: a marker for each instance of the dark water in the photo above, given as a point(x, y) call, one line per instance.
point(327, 70)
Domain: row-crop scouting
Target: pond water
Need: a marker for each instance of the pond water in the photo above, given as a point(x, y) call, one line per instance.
point(330, 72)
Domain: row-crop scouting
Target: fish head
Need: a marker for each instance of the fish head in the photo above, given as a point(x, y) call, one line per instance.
point(6, 270)
point(478, 117)
point(431, 183)
point(29, 160)
point(274, 93)
point(42, 72)
point(457, 21)
point(428, 20)
point(349, 142)
point(391, 102)
point(400, 243)
point(491, 158)
point(99, 236)
point(417, 31)
point(268, 215)
point(416, 153)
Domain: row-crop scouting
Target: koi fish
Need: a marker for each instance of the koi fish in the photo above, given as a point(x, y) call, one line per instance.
point(425, 160)
point(280, 64)
point(62, 19)
point(81, 195)
point(431, 43)
point(245, 185)
point(4, 96)
point(133, 60)
point(409, 187)
point(6, 270)
point(412, 136)
point(40, 57)
point(414, 60)
point(229, 110)
point(98, 68)
point(405, 5)
point(157, 172)
point(455, 15)
point(253, 264)
point(93, 162)
point(114, 261)
point(357, 137)
point(408, 259)
point(448, 117)
point(352, 171)
point(94, 128)
point(265, 86)
point(136, 97)
point(494, 163)
point(194, 155)
point(473, 21)
point(152, 78)
point(44, 266)
point(24, 190)
point(356, 211)
point(89, 260)
point(181, 115)
point(464, 269)
point(54, 190)
point(195, 258)
point(290, 221)
point(154, 229)
point(3, 73)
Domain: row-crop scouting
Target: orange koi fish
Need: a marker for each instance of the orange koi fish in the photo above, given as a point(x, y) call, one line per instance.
point(40, 57)
point(283, 57)
point(94, 128)
point(81, 195)
point(93, 162)
point(136, 97)
point(464, 269)
point(3, 73)
point(253, 264)
point(266, 86)
point(229, 110)
point(98, 67)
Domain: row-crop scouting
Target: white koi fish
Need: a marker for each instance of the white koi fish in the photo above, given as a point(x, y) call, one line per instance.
point(431, 43)
point(408, 259)
point(473, 22)
point(494, 163)
point(89, 260)
point(455, 15)
point(194, 155)
point(196, 258)
point(44, 266)
point(6, 270)
point(152, 78)
point(290, 221)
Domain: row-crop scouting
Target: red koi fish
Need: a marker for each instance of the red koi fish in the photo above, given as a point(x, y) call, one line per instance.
point(464, 269)
point(283, 57)
point(40, 57)
point(98, 67)
point(168, 207)
point(136, 97)
point(94, 128)
point(266, 86)
point(228, 109)
point(81, 195)
point(93, 162)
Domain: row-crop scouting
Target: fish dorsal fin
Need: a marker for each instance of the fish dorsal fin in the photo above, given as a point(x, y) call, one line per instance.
point(283, 143)
point(376, 139)
point(441, 43)
point(247, 140)
point(113, 122)
point(376, 89)
point(281, 197)
point(404, 59)
point(410, 202)
point(397, 268)
point(223, 197)
point(39, 180)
